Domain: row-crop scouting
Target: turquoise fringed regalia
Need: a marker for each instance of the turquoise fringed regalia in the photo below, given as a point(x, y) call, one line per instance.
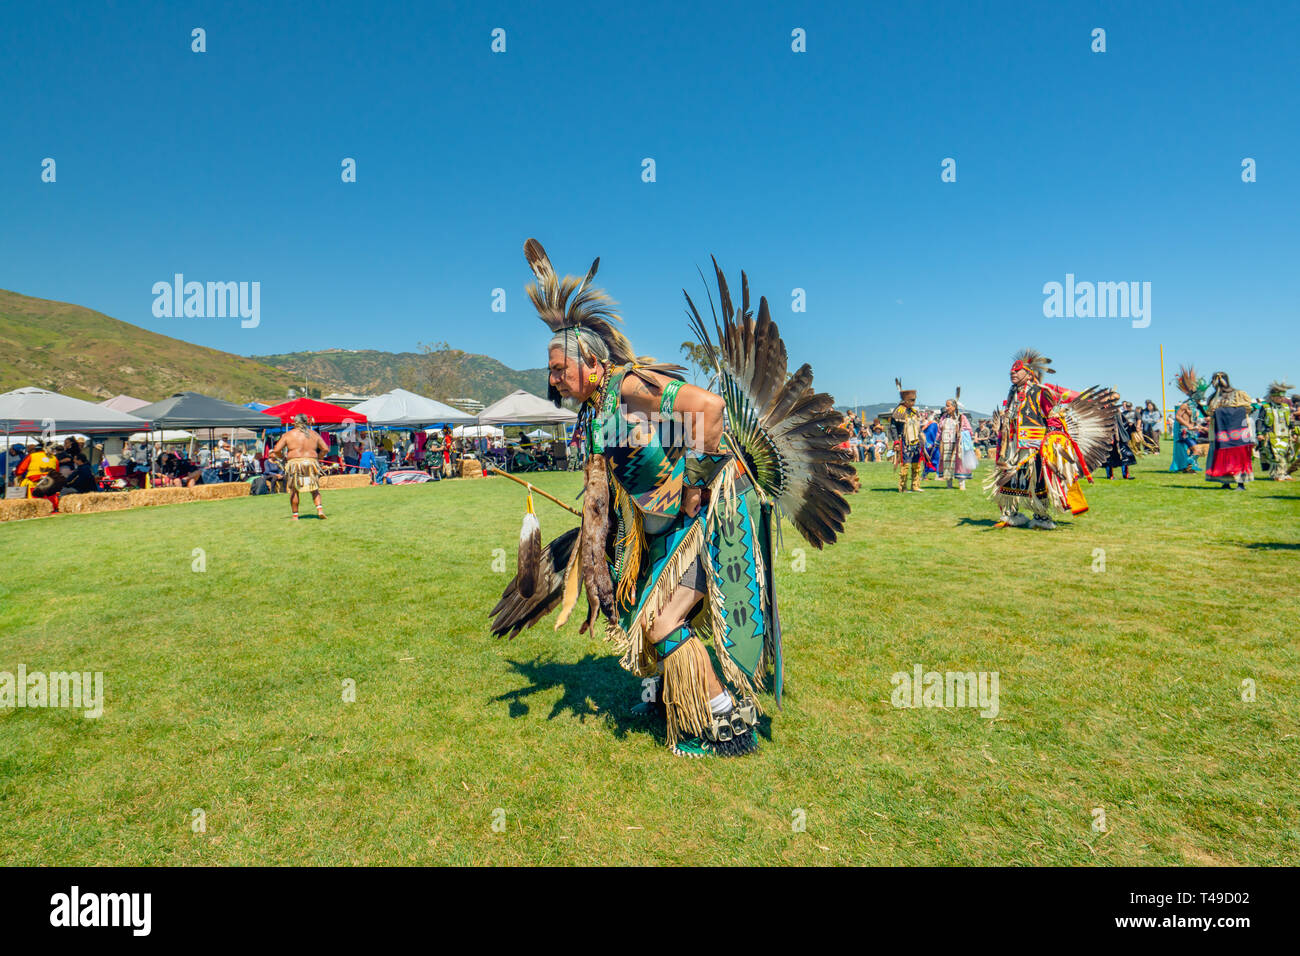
point(656, 542)
point(1187, 419)
point(776, 457)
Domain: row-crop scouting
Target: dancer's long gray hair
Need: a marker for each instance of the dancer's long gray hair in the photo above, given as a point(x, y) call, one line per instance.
point(581, 345)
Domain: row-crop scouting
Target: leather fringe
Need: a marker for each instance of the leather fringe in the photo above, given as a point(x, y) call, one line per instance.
point(639, 656)
point(631, 544)
point(686, 691)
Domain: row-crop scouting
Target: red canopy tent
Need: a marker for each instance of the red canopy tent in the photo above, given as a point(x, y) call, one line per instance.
point(320, 413)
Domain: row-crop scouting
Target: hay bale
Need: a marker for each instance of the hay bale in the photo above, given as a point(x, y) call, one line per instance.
point(144, 497)
point(330, 482)
point(166, 496)
point(471, 468)
point(16, 509)
point(94, 501)
point(227, 489)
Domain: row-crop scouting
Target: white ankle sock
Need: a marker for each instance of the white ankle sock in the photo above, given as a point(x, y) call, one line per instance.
point(720, 704)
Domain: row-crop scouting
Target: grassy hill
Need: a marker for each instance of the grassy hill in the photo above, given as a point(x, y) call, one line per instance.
point(367, 372)
point(80, 352)
point(86, 354)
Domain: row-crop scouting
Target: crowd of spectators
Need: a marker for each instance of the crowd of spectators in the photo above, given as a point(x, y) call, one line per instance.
point(47, 469)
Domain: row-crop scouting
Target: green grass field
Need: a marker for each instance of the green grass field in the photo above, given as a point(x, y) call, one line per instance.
point(1120, 689)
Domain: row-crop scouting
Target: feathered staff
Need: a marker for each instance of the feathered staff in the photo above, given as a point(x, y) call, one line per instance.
point(530, 550)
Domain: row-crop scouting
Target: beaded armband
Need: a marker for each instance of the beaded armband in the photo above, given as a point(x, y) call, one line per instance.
point(669, 397)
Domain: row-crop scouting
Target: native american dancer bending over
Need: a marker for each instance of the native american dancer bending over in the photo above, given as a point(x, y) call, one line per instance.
point(1049, 437)
point(302, 447)
point(684, 489)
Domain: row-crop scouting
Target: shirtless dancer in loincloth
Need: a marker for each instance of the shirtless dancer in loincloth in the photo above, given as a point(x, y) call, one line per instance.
point(302, 447)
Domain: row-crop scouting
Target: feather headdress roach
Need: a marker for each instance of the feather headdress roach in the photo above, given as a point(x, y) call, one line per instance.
point(572, 303)
point(1034, 362)
point(1188, 382)
point(1276, 388)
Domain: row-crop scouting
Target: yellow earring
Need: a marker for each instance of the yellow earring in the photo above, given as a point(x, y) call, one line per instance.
point(593, 378)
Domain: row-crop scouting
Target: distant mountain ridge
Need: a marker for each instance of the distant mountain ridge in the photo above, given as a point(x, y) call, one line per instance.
point(371, 372)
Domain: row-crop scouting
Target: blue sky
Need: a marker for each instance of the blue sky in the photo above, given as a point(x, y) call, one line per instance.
point(817, 170)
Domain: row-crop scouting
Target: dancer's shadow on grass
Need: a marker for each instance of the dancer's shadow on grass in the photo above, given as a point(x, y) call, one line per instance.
point(1274, 546)
point(595, 687)
point(978, 522)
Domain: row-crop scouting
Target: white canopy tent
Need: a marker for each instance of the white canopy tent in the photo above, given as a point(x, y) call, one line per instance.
point(235, 434)
point(37, 411)
point(525, 408)
point(123, 403)
point(408, 410)
point(33, 411)
point(168, 435)
point(477, 431)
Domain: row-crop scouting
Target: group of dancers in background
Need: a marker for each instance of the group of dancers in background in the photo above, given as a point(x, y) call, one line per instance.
point(1232, 429)
point(1050, 438)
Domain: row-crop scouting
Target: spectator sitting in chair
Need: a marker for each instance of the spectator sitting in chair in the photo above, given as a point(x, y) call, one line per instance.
point(79, 478)
point(181, 472)
point(274, 475)
point(879, 441)
point(71, 448)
